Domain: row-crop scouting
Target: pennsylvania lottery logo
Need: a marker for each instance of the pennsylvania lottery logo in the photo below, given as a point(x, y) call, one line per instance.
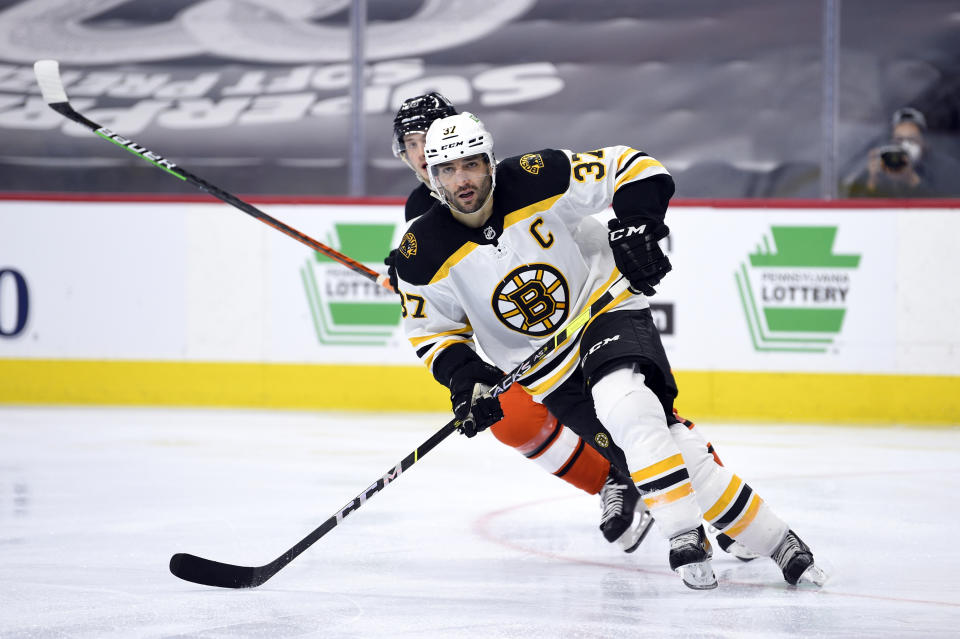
point(795, 289)
point(347, 308)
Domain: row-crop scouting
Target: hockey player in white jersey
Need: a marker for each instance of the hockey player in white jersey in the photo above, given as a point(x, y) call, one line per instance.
point(527, 427)
point(510, 255)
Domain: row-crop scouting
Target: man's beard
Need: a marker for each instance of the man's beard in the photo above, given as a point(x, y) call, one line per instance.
point(482, 194)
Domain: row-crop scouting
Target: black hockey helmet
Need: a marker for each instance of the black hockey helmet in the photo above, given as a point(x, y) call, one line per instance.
point(417, 114)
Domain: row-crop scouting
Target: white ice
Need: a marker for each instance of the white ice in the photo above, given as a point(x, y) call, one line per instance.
point(472, 541)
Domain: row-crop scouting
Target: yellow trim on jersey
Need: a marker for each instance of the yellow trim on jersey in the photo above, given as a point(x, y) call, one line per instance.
point(747, 518)
point(429, 360)
point(683, 490)
point(721, 504)
point(573, 326)
point(452, 261)
point(659, 468)
point(539, 389)
point(512, 218)
point(575, 356)
point(529, 211)
point(417, 341)
point(629, 153)
point(636, 170)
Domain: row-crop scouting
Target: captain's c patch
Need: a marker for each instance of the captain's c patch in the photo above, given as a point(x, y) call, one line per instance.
point(408, 245)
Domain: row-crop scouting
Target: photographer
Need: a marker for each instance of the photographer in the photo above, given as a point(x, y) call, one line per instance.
point(906, 167)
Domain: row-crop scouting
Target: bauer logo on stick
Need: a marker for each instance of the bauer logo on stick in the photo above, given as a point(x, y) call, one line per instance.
point(130, 145)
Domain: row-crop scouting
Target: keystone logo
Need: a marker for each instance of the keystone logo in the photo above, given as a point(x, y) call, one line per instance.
point(795, 294)
point(347, 308)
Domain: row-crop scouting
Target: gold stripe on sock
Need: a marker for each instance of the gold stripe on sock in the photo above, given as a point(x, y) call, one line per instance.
point(747, 518)
point(724, 500)
point(657, 469)
point(670, 496)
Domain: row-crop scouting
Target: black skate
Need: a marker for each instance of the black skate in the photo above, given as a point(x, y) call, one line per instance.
point(735, 548)
point(796, 561)
point(690, 554)
point(625, 519)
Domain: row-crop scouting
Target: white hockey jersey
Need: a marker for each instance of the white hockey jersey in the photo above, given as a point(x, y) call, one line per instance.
point(538, 262)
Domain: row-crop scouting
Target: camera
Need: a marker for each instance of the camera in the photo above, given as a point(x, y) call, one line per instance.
point(894, 157)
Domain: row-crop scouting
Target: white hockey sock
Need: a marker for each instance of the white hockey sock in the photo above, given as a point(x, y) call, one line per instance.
point(728, 503)
point(634, 416)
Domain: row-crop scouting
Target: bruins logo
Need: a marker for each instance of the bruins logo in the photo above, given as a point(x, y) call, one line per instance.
point(602, 440)
point(531, 163)
point(533, 299)
point(408, 245)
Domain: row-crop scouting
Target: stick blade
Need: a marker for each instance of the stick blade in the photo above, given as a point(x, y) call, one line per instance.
point(48, 77)
point(207, 572)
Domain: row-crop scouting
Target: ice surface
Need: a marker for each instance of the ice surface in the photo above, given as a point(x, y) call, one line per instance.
point(473, 541)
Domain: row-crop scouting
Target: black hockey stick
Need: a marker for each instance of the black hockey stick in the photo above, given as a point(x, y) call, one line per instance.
point(214, 573)
point(51, 85)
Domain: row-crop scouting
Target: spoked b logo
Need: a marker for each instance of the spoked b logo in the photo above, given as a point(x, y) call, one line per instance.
point(533, 299)
point(14, 303)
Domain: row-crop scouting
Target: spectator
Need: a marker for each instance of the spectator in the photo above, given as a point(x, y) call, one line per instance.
point(907, 167)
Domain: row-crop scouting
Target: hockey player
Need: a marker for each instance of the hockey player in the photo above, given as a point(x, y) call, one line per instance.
point(509, 255)
point(556, 448)
point(526, 426)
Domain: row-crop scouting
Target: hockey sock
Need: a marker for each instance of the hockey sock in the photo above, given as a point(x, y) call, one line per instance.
point(728, 503)
point(634, 416)
point(690, 426)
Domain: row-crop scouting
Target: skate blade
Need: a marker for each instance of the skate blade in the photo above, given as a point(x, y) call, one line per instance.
point(632, 537)
point(814, 575)
point(698, 576)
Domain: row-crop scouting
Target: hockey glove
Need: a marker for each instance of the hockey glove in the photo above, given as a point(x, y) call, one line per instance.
point(391, 262)
point(475, 410)
point(636, 252)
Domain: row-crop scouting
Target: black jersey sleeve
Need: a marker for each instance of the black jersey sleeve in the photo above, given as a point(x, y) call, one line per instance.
point(647, 199)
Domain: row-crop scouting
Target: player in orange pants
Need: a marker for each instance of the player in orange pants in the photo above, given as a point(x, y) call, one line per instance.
point(532, 431)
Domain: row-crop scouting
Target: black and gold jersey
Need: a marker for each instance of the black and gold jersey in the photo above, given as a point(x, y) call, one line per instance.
point(540, 259)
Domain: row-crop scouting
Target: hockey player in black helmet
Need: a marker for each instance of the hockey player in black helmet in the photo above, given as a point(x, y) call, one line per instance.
point(409, 129)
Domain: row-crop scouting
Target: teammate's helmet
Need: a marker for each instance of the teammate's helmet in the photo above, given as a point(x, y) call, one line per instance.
point(417, 114)
point(458, 136)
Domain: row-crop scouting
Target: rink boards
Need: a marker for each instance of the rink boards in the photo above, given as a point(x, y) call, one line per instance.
point(772, 312)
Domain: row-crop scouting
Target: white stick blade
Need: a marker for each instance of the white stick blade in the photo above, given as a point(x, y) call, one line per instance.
point(48, 77)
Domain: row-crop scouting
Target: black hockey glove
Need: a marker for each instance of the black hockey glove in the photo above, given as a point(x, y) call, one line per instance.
point(475, 410)
point(636, 252)
point(391, 262)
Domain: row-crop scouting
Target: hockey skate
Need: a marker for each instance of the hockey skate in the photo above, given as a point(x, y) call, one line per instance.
point(625, 518)
point(690, 554)
point(796, 561)
point(734, 547)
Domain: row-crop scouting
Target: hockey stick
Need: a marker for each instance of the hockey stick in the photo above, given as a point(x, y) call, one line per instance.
point(214, 573)
point(51, 85)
